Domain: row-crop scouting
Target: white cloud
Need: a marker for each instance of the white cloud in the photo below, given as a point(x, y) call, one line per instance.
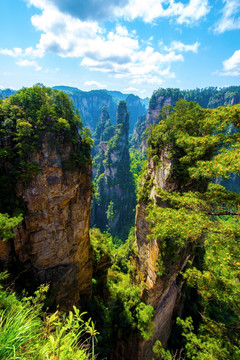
point(230, 19)
point(95, 84)
point(133, 90)
point(26, 62)
point(15, 52)
point(179, 46)
point(86, 10)
point(193, 11)
point(231, 66)
point(184, 12)
point(51, 71)
point(187, 13)
point(18, 52)
point(119, 52)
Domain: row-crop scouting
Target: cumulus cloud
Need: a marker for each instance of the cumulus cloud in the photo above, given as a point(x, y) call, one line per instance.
point(231, 66)
point(15, 52)
point(185, 13)
point(230, 19)
point(95, 84)
point(180, 47)
point(91, 9)
point(29, 63)
point(148, 66)
point(117, 52)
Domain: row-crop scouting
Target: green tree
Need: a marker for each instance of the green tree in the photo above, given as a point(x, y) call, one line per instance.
point(28, 118)
point(204, 214)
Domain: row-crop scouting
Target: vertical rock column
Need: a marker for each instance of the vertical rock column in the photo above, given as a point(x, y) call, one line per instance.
point(53, 240)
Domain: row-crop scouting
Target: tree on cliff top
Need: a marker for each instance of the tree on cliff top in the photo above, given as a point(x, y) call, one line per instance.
point(26, 119)
point(204, 214)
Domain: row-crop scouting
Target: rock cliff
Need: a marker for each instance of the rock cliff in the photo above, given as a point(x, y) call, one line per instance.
point(52, 242)
point(207, 98)
point(162, 291)
point(90, 103)
point(115, 201)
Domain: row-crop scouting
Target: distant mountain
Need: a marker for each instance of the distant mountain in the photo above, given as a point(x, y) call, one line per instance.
point(117, 95)
point(66, 88)
point(6, 93)
point(90, 104)
point(210, 97)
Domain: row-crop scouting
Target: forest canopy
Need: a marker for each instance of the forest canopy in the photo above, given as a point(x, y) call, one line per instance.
point(203, 144)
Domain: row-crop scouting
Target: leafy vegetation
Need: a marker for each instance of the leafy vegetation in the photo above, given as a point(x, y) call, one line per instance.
point(7, 225)
point(210, 97)
point(119, 312)
point(27, 118)
point(201, 144)
point(202, 213)
point(26, 332)
point(113, 181)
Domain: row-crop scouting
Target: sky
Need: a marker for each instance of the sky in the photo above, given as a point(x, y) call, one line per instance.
point(134, 46)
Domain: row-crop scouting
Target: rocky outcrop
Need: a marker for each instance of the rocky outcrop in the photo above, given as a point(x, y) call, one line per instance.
point(136, 109)
point(155, 106)
point(113, 208)
point(207, 98)
point(90, 103)
point(90, 106)
point(52, 242)
point(162, 292)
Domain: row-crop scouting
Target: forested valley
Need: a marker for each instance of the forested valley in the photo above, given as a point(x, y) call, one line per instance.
point(120, 242)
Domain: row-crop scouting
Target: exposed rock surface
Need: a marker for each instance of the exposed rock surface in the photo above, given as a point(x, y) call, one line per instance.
point(136, 109)
point(162, 292)
point(115, 185)
point(52, 242)
point(207, 98)
point(90, 103)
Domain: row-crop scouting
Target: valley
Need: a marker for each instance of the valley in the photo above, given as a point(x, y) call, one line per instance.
point(126, 211)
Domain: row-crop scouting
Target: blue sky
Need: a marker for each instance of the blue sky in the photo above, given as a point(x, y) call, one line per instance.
point(128, 45)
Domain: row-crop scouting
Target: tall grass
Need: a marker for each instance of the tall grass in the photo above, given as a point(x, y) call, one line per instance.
point(27, 333)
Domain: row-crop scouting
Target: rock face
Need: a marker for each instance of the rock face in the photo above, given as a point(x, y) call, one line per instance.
point(52, 242)
point(155, 106)
point(207, 98)
point(90, 105)
point(114, 205)
point(162, 292)
point(136, 109)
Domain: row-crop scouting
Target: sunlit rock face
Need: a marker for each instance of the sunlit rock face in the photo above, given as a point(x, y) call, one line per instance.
point(153, 113)
point(52, 242)
point(162, 292)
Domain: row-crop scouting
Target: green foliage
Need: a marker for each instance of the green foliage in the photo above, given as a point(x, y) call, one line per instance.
point(204, 214)
point(160, 352)
point(7, 225)
point(26, 332)
point(132, 312)
point(126, 308)
point(29, 117)
point(212, 341)
point(145, 184)
point(114, 183)
point(136, 164)
point(101, 244)
point(210, 97)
